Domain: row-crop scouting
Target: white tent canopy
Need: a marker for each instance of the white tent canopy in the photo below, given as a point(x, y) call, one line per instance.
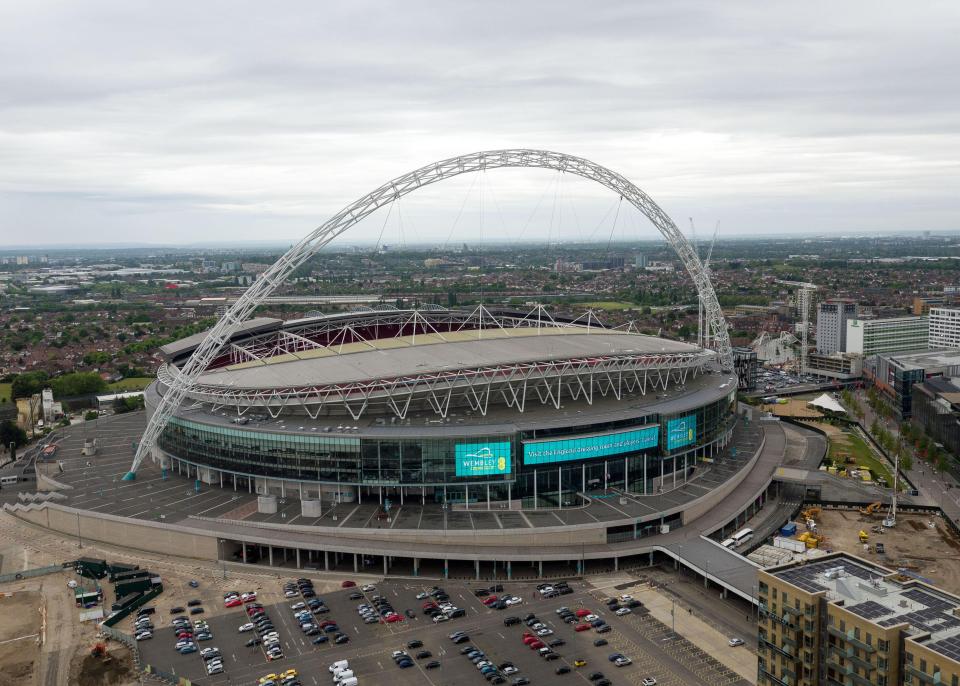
point(825, 402)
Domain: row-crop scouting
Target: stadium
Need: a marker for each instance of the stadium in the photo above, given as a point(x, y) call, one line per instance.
point(444, 406)
point(433, 441)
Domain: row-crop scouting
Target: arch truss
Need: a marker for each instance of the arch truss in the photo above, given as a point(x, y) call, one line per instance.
point(393, 190)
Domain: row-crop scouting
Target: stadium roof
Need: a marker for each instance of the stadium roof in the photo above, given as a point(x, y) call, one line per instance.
point(188, 344)
point(431, 353)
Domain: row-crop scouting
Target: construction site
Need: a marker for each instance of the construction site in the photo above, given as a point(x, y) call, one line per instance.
point(920, 546)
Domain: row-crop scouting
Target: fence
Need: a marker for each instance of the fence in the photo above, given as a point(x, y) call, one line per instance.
point(166, 677)
point(38, 571)
point(119, 615)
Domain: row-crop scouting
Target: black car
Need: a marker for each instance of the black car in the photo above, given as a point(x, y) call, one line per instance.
point(521, 681)
point(481, 593)
point(497, 588)
point(603, 682)
point(341, 638)
point(634, 603)
point(510, 621)
point(550, 656)
point(146, 611)
point(196, 610)
point(176, 610)
point(253, 642)
point(465, 649)
point(603, 629)
point(563, 669)
point(596, 676)
point(414, 644)
point(433, 664)
point(566, 590)
point(600, 642)
point(356, 595)
point(194, 603)
point(424, 654)
point(461, 639)
point(322, 638)
point(529, 617)
point(557, 643)
point(410, 613)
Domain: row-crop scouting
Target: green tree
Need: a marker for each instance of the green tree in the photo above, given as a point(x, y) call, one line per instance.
point(11, 433)
point(77, 383)
point(25, 385)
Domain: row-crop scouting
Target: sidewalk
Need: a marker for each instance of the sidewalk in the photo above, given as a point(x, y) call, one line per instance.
point(701, 634)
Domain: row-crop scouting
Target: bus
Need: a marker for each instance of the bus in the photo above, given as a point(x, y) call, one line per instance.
point(742, 536)
point(8, 480)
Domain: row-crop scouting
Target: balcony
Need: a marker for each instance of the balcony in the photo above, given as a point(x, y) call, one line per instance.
point(922, 676)
point(848, 636)
point(764, 674)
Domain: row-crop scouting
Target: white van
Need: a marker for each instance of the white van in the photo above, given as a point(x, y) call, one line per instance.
point(344, 675)
point(728, 543)
point(352, 681)
point(339, 664)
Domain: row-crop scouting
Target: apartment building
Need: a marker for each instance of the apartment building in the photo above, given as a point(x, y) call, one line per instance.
point(895, 334)
point(832, 316)
point(840, 620)
point(944, 327)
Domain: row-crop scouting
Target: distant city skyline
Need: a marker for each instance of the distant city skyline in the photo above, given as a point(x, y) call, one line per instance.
point(181, 124)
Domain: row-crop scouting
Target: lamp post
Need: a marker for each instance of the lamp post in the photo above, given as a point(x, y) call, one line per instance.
point(79, 538)
point(223, 562)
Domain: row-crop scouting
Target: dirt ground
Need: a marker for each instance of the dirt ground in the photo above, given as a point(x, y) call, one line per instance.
point(87, 670)
point(930, 551)
point(793, 408)
point(19, 636)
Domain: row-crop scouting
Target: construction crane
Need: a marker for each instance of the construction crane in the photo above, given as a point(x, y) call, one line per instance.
point(804, 296)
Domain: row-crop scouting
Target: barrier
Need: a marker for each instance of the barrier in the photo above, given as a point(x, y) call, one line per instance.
point(120, 615)
point(28, 573)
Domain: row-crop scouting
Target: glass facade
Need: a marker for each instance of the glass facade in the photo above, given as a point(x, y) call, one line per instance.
point(641, 462)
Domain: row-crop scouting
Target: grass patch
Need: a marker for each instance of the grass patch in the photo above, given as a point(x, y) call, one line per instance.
point(608, 305)
point(5, 390)
point(134, 383)
point(861, 452)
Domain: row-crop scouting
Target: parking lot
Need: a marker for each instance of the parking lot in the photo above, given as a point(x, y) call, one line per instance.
point(654, 650)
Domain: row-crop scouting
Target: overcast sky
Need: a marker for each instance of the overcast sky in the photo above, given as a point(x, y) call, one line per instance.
point(180, 122)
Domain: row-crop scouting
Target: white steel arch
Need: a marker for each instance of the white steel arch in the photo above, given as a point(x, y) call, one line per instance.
point(393, 190)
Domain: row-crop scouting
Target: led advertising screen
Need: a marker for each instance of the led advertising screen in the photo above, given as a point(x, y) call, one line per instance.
point(546, 452)
point(482, 459)
point(681, 431)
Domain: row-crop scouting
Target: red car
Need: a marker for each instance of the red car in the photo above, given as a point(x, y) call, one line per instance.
point(326, 622)
point(427, 606)
point(582, 627)
point(393, 618)
point(527, 640)
point(233, 602)
point(582, 612)
point(536, 645)
point(348, 584)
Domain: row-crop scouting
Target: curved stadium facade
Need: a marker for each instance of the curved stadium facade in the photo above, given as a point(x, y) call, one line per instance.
point(461, 408)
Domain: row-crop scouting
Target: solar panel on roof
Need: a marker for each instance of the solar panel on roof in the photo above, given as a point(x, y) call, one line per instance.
point(870, 609)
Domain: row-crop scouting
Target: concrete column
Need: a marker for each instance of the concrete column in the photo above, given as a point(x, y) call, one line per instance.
point(540, 568)
point(284, 554)
point(645, 457)
point(355, 565)
point(650, 563)
point(380, 494)
point(605, 474)
point(326, 560)
point(476, 569)
point(221, 479)
point(359, 495)
point(234, 482)
point(385, 561)
point(616, 563)
point(243, 548)
point(416, 566)
point(270, 553)
point(250, 484)
point(488, 496)
point(283, 488)
point(509, 571)
point(446, 569)
point(534, 489)
point(509, 501)
point(301, 490)
point(401, 496)
point(626, 474)
point(583, 477)
point(298, 558)
point(466, 496)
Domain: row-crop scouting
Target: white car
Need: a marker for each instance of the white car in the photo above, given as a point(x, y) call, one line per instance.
point(246, 627)
point(298, 606)
point(514, 600)
point(590, 618)
point(72, 584)
point(440, 618)
point(510, 670)
point(649, 681)
point(544, 632)
point(290, 594)
point(623, 661)
point(546, 589)
point(734, 642)
point(368, 588)
point(623, 611)
point(626, 598)
point(143, 636)
point(422, 595)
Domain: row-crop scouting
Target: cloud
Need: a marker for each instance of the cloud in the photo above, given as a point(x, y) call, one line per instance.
point(237, 119)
